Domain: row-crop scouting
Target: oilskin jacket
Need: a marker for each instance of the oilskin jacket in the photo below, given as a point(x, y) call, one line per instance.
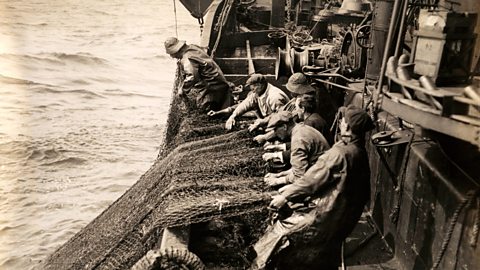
point(307, 145)
point(269, 102)
point(204, 81)
point(311, 237)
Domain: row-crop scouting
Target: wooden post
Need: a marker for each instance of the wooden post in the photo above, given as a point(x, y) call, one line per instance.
point(251, 66)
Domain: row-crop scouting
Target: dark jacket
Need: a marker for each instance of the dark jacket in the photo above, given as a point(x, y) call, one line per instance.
point(311, 238)
point(339, 185)
point(205, 79)
point(307, 145)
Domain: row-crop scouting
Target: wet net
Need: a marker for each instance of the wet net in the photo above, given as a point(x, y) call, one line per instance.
point(202, 173)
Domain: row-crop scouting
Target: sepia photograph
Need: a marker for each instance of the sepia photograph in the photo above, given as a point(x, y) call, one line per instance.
point(239, 134)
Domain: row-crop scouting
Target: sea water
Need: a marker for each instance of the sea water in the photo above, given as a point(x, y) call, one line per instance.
point(85, 88)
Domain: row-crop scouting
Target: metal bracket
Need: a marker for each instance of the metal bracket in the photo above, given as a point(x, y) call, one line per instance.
point(391, 138)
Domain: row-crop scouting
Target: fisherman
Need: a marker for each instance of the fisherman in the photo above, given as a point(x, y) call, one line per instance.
point(204, 85)
point(303, 105)
point(298, 86)
point(263, 97)
point(338, 187)
point(306, 113)
point(307, 144)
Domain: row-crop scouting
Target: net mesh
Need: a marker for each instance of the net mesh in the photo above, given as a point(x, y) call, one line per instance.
point(202, 173)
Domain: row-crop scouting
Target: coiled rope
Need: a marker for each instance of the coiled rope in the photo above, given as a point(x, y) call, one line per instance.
point(221, 22)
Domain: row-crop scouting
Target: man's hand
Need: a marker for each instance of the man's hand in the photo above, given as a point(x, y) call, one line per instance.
point(180, 92)
point(255, 125)
point(260, 139)
point(277, 201)
point(212, 113)
point(230, 123)
point(275, 156)
point(275, 181)
point(275, 147)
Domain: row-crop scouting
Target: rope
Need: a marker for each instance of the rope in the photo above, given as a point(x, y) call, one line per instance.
point(171, 258)
point(451, 226)
point(475, 230)
point(396, 210)
point(221, 22)
point(175, 12)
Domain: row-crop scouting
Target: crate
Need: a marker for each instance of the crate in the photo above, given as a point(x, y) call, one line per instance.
point(444, 46)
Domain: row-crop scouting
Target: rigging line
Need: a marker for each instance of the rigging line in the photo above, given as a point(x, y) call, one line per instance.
point(248, 75)
point(338, 85)
point(175, 12)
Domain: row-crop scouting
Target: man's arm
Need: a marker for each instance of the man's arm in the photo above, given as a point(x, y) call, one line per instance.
point(246, 105)
point(315, 177)
point(279, 103)
point(191, 74)
point(298, 159)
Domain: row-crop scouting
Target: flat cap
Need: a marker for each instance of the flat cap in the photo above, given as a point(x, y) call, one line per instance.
point(298, 83)
point(358, 120)
point(256, 78)
point(279, 118)
point(173, 45)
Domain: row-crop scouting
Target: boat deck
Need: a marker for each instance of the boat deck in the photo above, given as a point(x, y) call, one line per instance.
point(366, 249)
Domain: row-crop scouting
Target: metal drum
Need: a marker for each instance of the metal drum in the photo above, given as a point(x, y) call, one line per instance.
point(299, 59)
point(283, 64)
point(380, 24)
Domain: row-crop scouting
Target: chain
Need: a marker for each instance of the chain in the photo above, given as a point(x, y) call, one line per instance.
point(289, 6)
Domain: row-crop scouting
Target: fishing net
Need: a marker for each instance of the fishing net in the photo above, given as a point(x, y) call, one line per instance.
point(202, 174)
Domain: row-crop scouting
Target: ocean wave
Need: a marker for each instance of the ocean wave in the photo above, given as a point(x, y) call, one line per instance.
point(80, 57)
point(80, 81)
point(56, 58)
point(122, 93)
point(155, 57)
point(32, 24)
point(25, 58)
point(66, 161)
point(11, 80)
point(100, 12)
point(88, 94)
point(21, 24)
point(41, 155)
point(9, 228)
point(162, 56)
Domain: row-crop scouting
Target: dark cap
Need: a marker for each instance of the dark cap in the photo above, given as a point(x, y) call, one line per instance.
point(173, 45)
point(278, 118)
point(298, 84)
point(358, 120)
point(256, 78)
